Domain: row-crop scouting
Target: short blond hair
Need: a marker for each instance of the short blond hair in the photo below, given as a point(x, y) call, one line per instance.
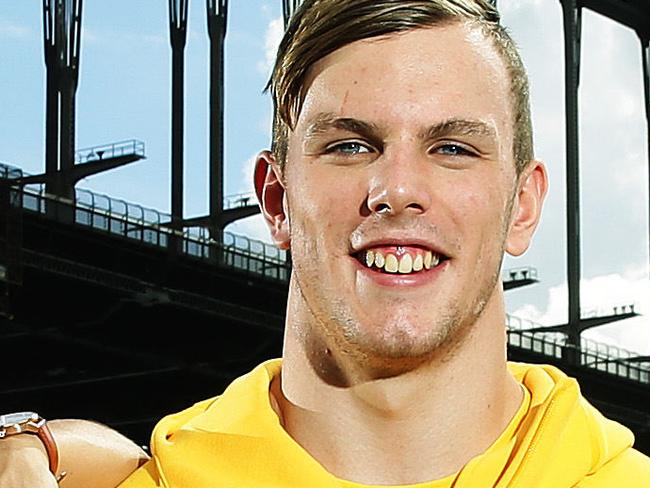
point(320, 27)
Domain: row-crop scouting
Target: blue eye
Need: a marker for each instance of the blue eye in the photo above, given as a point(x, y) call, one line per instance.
point(453, 150)
point(348, 148)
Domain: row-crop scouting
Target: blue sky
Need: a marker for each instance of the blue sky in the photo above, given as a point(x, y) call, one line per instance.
point(124, 93)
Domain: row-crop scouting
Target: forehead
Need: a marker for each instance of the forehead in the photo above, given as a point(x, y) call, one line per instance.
point(413, 78)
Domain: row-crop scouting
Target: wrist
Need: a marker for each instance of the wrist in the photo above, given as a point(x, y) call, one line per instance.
point(25, 450)
point(28, 430)
point(31, 442)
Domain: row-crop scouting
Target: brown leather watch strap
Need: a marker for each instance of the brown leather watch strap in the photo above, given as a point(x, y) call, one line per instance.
point(45, 435)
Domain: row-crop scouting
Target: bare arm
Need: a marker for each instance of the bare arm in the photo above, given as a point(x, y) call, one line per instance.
point(91, 454)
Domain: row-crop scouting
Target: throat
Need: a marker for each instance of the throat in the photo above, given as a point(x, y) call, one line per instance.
point(438, 418)
point(370, 426)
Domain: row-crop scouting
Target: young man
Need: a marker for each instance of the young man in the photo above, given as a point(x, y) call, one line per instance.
point(401, 171)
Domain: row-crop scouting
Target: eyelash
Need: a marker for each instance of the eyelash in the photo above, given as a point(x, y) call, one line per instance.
point(459, 149)
point(338, 148)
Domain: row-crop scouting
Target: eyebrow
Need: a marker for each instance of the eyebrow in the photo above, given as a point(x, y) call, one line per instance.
point(462, 127)
point(326, 121)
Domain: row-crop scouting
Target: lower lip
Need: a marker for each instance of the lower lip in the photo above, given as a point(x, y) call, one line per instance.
point(401, 280)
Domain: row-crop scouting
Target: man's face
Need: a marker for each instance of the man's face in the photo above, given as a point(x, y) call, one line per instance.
point(399, 187)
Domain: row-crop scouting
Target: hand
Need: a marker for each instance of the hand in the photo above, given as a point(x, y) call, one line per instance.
point(24, 463)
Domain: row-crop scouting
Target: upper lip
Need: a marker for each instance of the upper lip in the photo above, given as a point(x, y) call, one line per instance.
point(398, 241)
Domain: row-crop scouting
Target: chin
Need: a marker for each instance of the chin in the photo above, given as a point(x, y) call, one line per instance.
point(400, 341)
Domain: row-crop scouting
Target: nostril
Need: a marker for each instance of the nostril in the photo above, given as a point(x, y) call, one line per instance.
point(383, 208)
point(415, 206)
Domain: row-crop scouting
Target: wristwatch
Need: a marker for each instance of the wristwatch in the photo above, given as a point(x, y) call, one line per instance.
point(31, 423)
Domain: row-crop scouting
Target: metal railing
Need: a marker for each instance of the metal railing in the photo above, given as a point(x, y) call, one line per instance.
point(120, 217)
point(594, 355)
point(149, 226)
point(238, 200)
point(112, 150)
point(517, 274)
point(610, 310)
point(10, 172)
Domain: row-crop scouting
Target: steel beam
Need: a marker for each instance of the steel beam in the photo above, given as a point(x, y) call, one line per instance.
point(588, 323)
point(572, 13)
point(143, 292)
point(178, 38)
point(62, 46)
point(217, 25)
point(52, 93)
point(288, 9)
point(634, 14)
point(81, 171)
point(645, 53)
point(71, 37)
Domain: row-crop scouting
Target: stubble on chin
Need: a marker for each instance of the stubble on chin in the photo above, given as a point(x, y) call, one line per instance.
point(343, 350)
point(337, 340)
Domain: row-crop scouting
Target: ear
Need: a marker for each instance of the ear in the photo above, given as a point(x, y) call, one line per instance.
point(271, 196)
point(527, 207)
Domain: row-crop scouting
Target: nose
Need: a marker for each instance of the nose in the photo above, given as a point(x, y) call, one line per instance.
point(398, 186)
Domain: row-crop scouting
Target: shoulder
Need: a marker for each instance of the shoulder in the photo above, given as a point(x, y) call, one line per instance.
point(148, 475)
point(175, 421)
point(221, 429)
point(630, 469)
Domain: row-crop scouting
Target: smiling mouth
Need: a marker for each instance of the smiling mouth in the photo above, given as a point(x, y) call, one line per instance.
point(400, 260)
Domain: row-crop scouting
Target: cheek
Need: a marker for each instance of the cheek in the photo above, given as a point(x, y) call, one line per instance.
point(317, 221)
point(479, 212)
point(328, 200)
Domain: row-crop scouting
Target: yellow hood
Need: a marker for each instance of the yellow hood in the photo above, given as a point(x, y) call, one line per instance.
point(235, 440)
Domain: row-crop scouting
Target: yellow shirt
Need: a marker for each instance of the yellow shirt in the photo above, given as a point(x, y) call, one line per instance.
point(555, 440)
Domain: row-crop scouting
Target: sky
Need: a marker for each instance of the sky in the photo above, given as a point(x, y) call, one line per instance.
point(124, 93)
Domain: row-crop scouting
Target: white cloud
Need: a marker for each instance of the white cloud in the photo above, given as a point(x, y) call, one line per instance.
point(272, 38)
point(252, 227)
point(633, 165)
point(600, 295)
point(511, 7)
point(614, 172)
point(247, 171)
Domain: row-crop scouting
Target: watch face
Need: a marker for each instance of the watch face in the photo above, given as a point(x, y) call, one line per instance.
point(17, 418)
point(16, 423)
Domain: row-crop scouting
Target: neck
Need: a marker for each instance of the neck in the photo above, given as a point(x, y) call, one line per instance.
point(429, 414)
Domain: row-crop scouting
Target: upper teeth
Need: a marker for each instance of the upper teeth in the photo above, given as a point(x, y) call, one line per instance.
point(407, 263)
